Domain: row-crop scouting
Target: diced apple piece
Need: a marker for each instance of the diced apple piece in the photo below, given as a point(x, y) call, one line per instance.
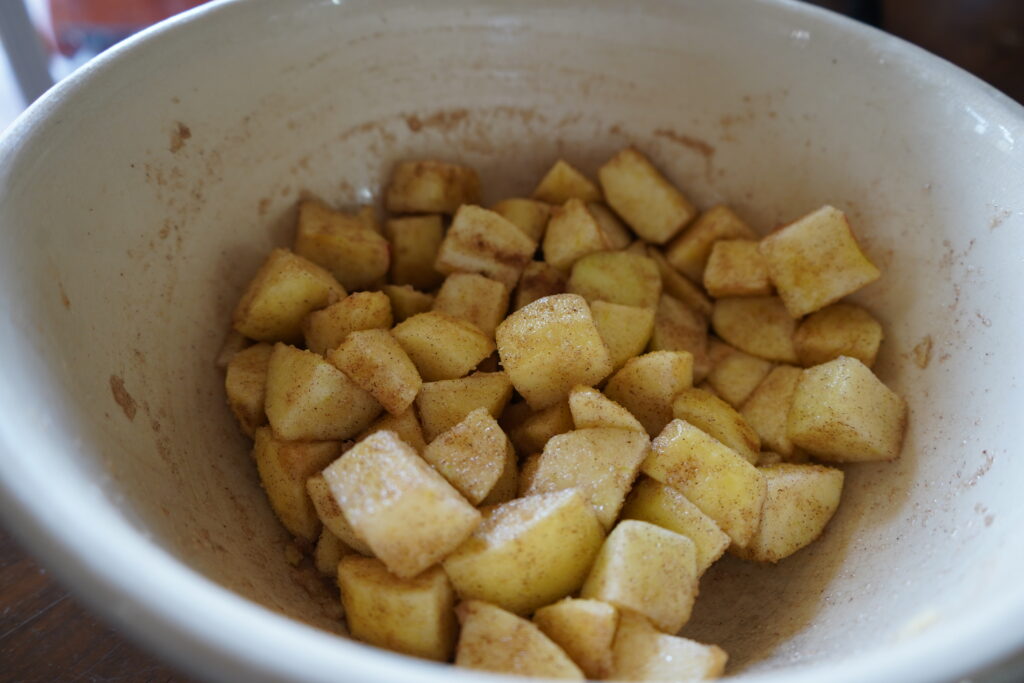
point(715, 478)
point(482, 241)
point(642, 653)
point(616, 233)
point(444, 404)
point(378, 364)
point(414, 616)
point(679, 326)
point(356, 255)
point(246, 386)
point(332, 516)
point(689, 252)
point(572, 233)
point(495, 640)
point(405, 511)
point(431, 187)
point(654, 502)
point(529, 215)
point(562, 183)
point(815, 261)
point(283, 468)
point(550, 346)
point(841, 412)
point(442, 347)
point(528, 552)
point(646, 569)
point(285, 290)
point(758, 325)
point(767, 409)
point(616, 277)
point(328, 553)
point(734, 374)
point(591, 409)
point(736, 268)
point(801, 500)
point(719, 419)
point(404, 424)
point(308, 399)
point(626, 330)
point(539, 280)
point(472, 455)
point(677, 285)
point(475, 299)
point(584, 629)
point(327, 328)
point(415, 241)
point(645, 199)
point(406, 301)
point(537, 427)
point(838, 330)
point(599, 462)
point(647, 384)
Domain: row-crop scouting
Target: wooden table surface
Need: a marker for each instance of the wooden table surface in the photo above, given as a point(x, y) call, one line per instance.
point(45, 635)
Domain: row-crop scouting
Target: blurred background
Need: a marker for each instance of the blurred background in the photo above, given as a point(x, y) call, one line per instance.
point(44, 634)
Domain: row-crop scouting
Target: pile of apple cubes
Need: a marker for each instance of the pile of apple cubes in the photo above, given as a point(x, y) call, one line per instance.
point(595, 503)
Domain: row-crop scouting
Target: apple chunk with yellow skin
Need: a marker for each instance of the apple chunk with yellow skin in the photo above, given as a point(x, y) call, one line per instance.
point(445, 403)
point(590, 408)
point(354, 252)
point(617, 277)
point(625, 330)
point(246, 386)
point(647, 384)
point(308, 399)
point(550, 346)
point(431, 187)
point(283, 468)
point(734, 374)
point(482, 241)
point(815, 261)
point(585, 629)
point(405, 511)
point(600, 462)
point(715, 478)
point(415, 241)
point(442, 347)
point(719, 419)
point(642, 653)
point(767, 409)
point(472, 455)
point(654, 502)
point(838, 330)
point(327, 328)
point(379, 365)
point(800, 502)
point(563, 182)
point(646, 569)
point(286, 288)
point(841, 412)
point(414, 616)
point(528, 552)
point(493, 639)
point(645, 199)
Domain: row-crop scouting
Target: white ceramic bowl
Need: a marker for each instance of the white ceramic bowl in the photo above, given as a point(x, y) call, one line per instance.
point(139, 196)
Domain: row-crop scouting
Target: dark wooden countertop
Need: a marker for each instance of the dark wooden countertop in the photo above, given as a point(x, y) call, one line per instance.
point(45, 635)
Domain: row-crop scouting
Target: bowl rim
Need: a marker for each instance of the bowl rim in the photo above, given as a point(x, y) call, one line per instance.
point(231, 636)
